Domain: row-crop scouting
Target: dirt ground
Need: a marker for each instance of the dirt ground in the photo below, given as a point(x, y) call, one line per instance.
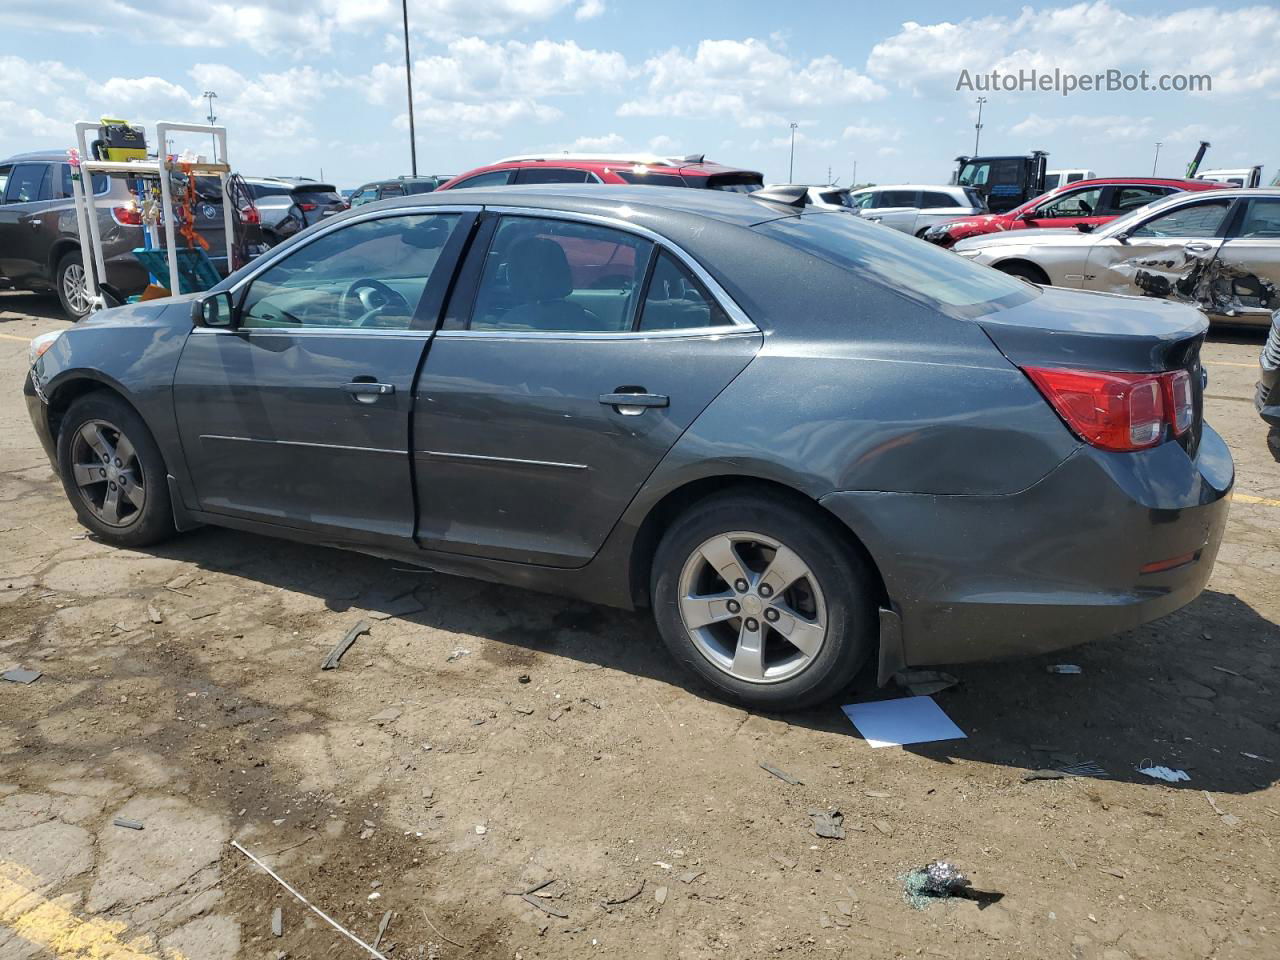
point(481, 740)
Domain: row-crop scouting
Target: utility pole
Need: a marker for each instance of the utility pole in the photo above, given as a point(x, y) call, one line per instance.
point(791, 170)
point(211, 96)
point(1157, 159)
point(855, 173)
point(408, 82)
point(977, 127)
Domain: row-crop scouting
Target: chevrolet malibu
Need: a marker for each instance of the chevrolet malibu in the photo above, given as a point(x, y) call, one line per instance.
point(803, 441)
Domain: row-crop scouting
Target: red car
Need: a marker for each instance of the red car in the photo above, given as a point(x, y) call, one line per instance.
point(648, 169)
point(1083, 205)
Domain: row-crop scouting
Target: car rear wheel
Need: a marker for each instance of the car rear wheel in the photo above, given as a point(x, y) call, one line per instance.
point(70, 280)
point(113, 473)
point(763, 601)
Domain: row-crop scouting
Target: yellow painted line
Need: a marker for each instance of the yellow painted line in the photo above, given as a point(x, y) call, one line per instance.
point(1231, 363)
point(1250, 498)
point(58, 930)
point(10, 336)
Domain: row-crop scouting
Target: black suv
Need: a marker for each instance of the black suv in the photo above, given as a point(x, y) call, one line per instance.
point(398, 187)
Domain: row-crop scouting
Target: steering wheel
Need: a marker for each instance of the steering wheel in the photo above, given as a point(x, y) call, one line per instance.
point(374, 297)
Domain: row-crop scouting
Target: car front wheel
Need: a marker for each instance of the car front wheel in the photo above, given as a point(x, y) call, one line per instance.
point(72, 291)
point(113, 473)
point(764, 601)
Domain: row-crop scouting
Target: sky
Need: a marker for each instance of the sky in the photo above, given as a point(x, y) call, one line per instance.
point(317, 87)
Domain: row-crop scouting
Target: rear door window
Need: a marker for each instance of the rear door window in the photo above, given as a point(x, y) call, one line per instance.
point(493, 178)
point(931, 199)
point(675, 300)
point(28, 182)
point(898, 198)
point(550, 276)
point(550, 175)
point(1124, 199)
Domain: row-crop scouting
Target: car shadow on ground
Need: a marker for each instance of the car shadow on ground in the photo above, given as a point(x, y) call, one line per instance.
point(21, 305)
point(1193, 691)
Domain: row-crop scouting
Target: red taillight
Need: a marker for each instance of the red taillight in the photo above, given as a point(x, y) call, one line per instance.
point(1118, 411)
point(308, 207)
point(127, 216)
point(249, 214)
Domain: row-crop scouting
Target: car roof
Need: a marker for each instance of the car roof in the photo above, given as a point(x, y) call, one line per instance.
point(1141, 181)
point(622, 202)
point(596, 163)
point(910, 186)
point(49, 156)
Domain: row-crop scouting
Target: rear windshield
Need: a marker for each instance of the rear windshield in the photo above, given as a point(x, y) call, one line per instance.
point(921, 271)
point(652, 179)
point(270, 190)
point(419, 186)
point(736, 182)
point(321, 191)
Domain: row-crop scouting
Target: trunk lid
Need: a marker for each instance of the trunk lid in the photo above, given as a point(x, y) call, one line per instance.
point(1103, 332)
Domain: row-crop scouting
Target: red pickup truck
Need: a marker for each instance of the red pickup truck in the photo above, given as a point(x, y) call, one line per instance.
point(1083, 205)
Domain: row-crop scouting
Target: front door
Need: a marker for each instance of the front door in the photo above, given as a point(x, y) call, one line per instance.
point(1064, 211)
point(1170, 255)
point(299, 415)
point(574, 356)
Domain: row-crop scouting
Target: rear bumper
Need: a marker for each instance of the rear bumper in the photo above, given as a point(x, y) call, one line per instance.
point(1058, 564)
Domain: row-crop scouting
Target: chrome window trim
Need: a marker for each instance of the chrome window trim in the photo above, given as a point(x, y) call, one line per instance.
point(317, 330)
point(304, 443)
point(705, 333)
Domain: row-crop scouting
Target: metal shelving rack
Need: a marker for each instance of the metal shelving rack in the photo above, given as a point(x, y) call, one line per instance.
point(157, 168)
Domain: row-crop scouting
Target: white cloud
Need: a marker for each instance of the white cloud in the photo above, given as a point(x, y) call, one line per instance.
point(863, 130)
point(610, 141)
point(1236, 47)
point(589, 10)
point(745, 80)
point(1088, 126)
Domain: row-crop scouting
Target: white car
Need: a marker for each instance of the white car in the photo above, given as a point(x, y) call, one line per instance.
point(1060, 178)
point(912, 208)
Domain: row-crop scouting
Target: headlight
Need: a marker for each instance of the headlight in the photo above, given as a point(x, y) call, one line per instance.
point(36, 349)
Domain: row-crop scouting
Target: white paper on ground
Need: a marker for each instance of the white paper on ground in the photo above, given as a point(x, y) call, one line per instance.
point(1165, 773)
point(892, 723)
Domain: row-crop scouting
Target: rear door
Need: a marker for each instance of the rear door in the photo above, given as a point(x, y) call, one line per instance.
point(574, 355)
point(299, 415)
point(1168, 255)
point(895, 208)
point(1246, 276)
point(26, 223)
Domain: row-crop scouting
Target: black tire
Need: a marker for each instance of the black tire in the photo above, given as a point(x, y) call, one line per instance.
point(1273, 443)
point(1024, 271)
point(71, 260)
point(842, 576)
point(137, 526)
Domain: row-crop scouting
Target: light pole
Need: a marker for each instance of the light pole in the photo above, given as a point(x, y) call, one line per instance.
point(855, 173)
point(408, 82)
point(1156, 160)
point(791, 169)
point(211, 96)
point(977, 127)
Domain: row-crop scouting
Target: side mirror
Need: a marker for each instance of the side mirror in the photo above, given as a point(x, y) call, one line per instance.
point(1085, 227)
point(214, 310)
point(1122, 237)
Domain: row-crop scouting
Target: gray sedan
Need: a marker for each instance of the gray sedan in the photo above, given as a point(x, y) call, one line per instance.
point(1218, 250)
point(805, 442)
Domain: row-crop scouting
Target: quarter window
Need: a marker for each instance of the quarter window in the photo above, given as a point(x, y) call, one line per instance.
point(494, 178)
point(101, 182)
point(931, 199)
point(550, 175)
point(1196, 220)
point(557, 275)
point(676, 301)
point(1262, 220)
point(370, 274)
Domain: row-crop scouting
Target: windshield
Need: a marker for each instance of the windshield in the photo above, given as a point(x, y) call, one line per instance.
point(974, 174)
point(921, 271)
point(269, 190)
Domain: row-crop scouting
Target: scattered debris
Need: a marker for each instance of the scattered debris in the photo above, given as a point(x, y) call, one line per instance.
point(892, 723)
point(321, 914)
point(526, 711)
point(781, 774)
point(827, 824)
point(934, 881)
point(884, 826)
point(523, 678)
point(691, 876)
point(277, 923)
point(923, 683)
point(1031, 775)
point(343, 645)
point(390, 715)
point(458, 654)
point(153, 614)
point(627, 897)
point(1165, 774)
point(1255, 756)
point(660, 896)
point(1086, 768)
point(542, 905)
point(400, 606)
point(481, 829)
point(22, 675)
point(127, 823)
point(786, 863)
point(1069, 669)
point(1230, 819)
point(181, 582)
point(1225, 670)
point(877, 794)
point(437, 931)
point(382, 929)
point(199, 613)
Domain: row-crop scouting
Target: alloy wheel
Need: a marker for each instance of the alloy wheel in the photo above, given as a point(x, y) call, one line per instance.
point(752, 607)
point(73, 287)
point(108, 473)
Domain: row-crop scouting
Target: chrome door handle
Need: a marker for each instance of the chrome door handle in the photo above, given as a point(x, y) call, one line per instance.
point(634, 404)
point(363, 391)
point(1196, 247)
